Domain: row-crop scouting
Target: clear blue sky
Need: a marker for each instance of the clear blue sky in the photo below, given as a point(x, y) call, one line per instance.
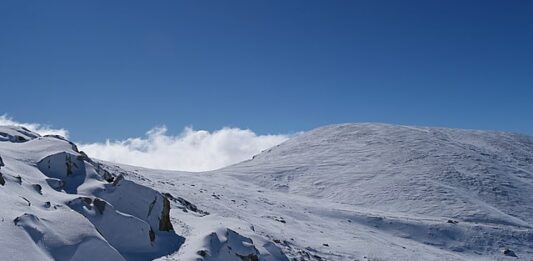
point(117, 68)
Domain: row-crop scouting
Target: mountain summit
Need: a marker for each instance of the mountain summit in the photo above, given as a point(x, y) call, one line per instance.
point(478, 176)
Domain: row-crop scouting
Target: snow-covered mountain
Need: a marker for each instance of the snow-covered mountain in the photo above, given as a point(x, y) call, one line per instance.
point(340, 192)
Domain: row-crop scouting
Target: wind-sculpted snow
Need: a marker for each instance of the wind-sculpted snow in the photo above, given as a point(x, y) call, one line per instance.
point(375, 192)
point(341, 192)
point(16, 134)
point(59, 204)
point(477, 176)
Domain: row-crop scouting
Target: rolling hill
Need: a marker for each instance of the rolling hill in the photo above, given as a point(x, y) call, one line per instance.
point(340, 192)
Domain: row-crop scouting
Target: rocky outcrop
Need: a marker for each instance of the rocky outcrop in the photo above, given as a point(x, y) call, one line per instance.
point(129, 216)
point(227, 245)
point(185, 205)
point(164, 222)
point(67, 168)
point(139, 201)
point(17, 134)
point(124, 232)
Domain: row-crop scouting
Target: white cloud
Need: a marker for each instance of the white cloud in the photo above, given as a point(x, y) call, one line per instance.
point(192, 150)
point(36, 127)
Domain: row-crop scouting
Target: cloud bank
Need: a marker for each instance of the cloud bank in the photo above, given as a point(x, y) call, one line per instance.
point(36, 127)
point(191, 150)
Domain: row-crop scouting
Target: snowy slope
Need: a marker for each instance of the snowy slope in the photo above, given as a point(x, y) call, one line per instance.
point(59, 204)
point(476, 176)
point(372, 191)
point(340, 192)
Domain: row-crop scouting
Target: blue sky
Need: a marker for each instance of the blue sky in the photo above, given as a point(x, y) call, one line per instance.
point(114, 69)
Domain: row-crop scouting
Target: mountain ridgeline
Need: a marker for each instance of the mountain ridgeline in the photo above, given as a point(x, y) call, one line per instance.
point(339, 192)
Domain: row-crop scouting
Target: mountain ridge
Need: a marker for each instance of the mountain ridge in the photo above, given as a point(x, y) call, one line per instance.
point(464, 156)
point(340, 192)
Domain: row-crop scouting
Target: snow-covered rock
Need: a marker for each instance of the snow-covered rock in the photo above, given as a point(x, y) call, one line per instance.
point(17, 134)
point(340, 192)
point(58, 204)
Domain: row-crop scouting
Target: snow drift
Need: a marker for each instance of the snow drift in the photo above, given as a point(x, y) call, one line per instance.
point(340, 192)
point(69, 209)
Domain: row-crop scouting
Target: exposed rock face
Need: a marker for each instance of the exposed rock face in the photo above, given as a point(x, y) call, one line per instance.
point(2, 180)
point(164, 223)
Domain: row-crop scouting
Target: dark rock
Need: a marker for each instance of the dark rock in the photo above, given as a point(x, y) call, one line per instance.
point(29, 203)
point(68, 162)
point(99, 205)
point(2, 180)
point(151, 234)
point(452, 221)
point(20, 139)
point(16, 220)
point(185, 204)
point(250, 257)
point(509, 252)
point(164, 222)
point(104, 173)
point(117, 180)
point(25, 135)
point(87, 201)
point(151, 206)
point(202, 253)
point(37, 188)
point(85, 157)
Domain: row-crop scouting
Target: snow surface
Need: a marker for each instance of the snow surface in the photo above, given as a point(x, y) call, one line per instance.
point(58, 205)
point(340, 192)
